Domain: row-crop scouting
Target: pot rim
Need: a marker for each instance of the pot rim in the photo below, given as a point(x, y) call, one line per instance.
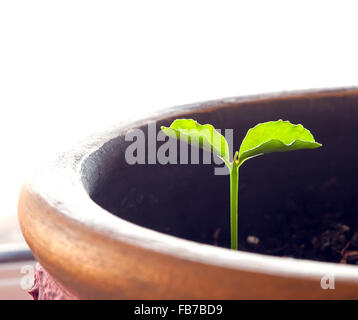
point(60, 186)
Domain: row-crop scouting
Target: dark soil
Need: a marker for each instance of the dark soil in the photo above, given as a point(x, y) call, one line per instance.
point(331, 242)
point(314, 217)
point(316, 229)
point(316, 223)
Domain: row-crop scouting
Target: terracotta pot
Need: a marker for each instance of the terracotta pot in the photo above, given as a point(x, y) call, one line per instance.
point(106, 229)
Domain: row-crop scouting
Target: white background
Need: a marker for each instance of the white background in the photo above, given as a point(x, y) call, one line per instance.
point(70, 67)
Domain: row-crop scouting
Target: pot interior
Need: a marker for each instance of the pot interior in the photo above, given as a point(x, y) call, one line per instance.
point(301, 204)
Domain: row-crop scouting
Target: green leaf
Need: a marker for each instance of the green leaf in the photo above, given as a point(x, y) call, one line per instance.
point(275, 136)
point(205, 136)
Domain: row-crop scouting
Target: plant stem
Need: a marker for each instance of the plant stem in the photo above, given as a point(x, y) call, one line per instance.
point(234, 194)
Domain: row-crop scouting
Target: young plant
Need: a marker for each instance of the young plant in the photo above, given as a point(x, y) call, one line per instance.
point(267, 137)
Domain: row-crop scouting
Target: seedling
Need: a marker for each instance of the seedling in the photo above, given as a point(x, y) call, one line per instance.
point(267, 137)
